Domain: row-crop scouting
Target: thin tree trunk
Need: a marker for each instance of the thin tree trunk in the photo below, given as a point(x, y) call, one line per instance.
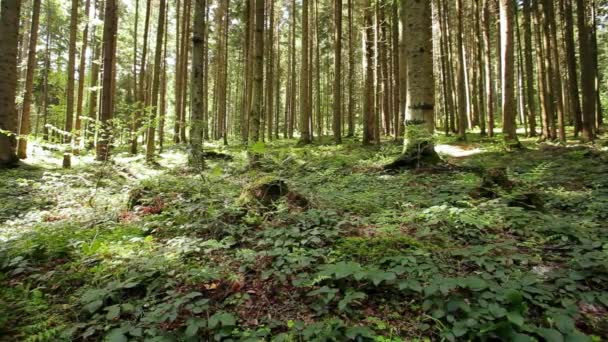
point(109, 60)
point(368, 110)
point(337, 105)
point(153, 117)
point(587, 69)
point(29, 82)
point(305, 111)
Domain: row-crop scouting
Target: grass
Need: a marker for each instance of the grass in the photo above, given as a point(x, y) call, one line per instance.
point(124, 251)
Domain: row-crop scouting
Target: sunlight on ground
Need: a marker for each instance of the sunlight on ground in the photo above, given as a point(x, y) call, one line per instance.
point(457, 151)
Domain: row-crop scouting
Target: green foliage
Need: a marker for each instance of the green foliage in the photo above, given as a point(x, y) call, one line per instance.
point(404, 257)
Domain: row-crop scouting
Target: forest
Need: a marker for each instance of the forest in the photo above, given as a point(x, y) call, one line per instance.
point(303, 170)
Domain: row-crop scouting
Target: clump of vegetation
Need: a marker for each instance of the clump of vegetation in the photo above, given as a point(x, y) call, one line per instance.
point(375, 249)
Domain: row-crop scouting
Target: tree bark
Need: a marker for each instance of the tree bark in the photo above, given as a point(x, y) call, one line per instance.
point(29, 82)
point(305, 109)
point(107, 92)
point(9, 37)
point(152, 120)
point(508, 72)
point(587, 69)
point(337, 117)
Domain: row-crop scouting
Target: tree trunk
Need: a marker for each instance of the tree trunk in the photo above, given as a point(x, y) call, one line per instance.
point(82, 74)
point(29, 82)
point(587, 69)
point(152, 121)
point(461, 75)
point(337, 117)
point(419, 120)
point(257, 110)
point(69, 115)
point(368, 106)
point(9, 40)
point(508, 72)
point(270, 74)
point(489, 81)
point(305, 109)
point(198, 83)
point(529, 69)
point(139, 112)
point(109, 60)
point(351, 71)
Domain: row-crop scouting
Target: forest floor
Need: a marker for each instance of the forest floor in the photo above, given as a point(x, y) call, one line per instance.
point(317, 244)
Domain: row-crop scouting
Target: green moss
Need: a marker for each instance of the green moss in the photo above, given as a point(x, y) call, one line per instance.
point(374, 249)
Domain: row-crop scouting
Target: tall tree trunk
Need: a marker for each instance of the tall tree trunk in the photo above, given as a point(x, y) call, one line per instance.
point(419, 119)
point(257, 110)
point(293, 82)
point(461, 75)
point(368, 100)
point(351, 71)
point(82, 74)
point(107, 93)
point(198, 83)
point(396, 112)
point(305, 109)
point(489, 81)
point(587, 69)
point(529, 68)
point(163, 89)
point(29, 82)
point(575, 102)
point(481, 108)
point(139, 112)
point(152, 120)
point(45, 77)
point(69, 115)
point(508, 72)
point(270, 74)
point(184, 71)
point(337, 117)
point(556, 77)
point(9, 41)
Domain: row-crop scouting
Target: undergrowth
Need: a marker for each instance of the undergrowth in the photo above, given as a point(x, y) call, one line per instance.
point(412, 256)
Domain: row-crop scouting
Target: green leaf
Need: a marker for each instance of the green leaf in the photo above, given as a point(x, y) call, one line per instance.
point(223, 319)
point(350, 297)
point(94, 306)
point(578, 337)
point(413, 285)
point(116, 335)
point(515, 318)
point(193, 326)
point(460, 329)
point(378, 276)
point(564, 323)
point(476, 283)
point(113, 312)
point(356, 333)
point(550, 335)
point(258, 148)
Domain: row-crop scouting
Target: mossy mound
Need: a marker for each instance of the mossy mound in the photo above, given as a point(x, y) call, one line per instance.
point(264, 191)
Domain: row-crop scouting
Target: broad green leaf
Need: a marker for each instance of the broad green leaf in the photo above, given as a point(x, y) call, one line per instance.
point(113, 312)
point(551, 335)
point(564, 324)
point(515, 318)
point(116, 335)
point(223, 319)
point(94, 306)
point(193, 326)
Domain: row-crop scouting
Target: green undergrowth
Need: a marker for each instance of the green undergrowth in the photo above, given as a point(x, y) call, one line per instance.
point(97, 254)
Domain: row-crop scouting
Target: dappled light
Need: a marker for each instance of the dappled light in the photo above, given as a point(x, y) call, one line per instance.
point(303, 170)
